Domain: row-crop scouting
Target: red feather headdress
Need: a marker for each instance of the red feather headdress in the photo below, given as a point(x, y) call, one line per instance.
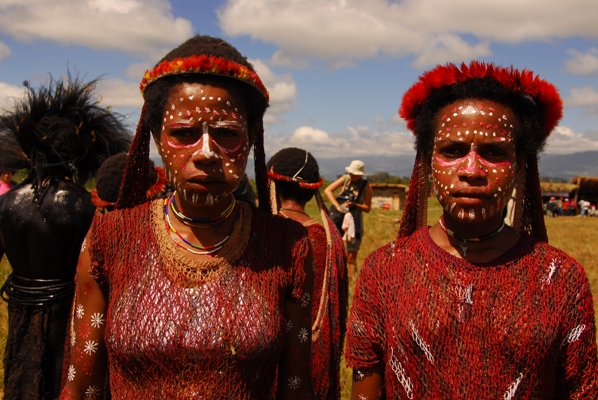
point(524, 82)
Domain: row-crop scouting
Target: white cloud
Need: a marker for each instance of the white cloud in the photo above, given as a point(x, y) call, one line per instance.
point(8, 94)
point(4, 51)
point(282, 89)
point(585, 64)
point(564, 140)
point(140, 27)
point(357, 141)
point(136, 71)
point(447, 47)
point(307, 135)
point(341, 31)
point(585, 97)
point(119, 93)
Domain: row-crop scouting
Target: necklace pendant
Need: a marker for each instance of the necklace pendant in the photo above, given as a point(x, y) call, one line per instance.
point(463, 248)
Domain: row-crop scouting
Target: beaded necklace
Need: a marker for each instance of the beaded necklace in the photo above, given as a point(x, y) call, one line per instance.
point(463, 241)
point(207, 250)
point(198, 222)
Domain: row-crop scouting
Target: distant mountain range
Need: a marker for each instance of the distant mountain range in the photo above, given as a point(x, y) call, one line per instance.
point(563, 166)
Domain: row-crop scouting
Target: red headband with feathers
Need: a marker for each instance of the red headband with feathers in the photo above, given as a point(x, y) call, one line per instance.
point(204, 64)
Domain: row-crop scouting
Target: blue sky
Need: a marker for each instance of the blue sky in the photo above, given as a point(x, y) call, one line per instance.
point(336, 69)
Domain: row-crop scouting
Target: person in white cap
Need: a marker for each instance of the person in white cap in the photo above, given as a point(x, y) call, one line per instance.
point(356, 198)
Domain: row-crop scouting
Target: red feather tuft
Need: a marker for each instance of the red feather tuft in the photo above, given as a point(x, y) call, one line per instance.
point(539, 90)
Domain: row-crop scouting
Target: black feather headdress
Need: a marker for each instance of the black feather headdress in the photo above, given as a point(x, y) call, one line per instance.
point(60, 131)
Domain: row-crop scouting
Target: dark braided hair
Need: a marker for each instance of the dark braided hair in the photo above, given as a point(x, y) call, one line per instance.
point(288, 162)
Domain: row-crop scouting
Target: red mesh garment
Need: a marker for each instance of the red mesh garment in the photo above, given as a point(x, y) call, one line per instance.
point(175, 328)
point(327, 343)
point(519, 327)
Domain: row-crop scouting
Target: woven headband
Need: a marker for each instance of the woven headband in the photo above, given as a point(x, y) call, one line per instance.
point(305, 185)
point(524, 82)
point(204, 64)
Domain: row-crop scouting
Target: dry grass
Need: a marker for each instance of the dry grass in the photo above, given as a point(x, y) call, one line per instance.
point(575, 235)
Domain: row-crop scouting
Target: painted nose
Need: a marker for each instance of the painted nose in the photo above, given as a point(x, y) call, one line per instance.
point(472, 169)
point(205, 154)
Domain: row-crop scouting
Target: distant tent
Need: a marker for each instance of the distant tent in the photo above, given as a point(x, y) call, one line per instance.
point(558, 189)
point(389, 196)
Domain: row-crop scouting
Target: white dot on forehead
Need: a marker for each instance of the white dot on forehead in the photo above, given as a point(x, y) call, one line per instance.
point(469, 110)
point(228, 103)
point(181, 99)
point(219, 98)
point(172, 106)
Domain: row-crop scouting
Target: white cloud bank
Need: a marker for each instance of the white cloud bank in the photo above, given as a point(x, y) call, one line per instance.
point(432, 31)
point(8, 94)
point(357, 141)
point(139, 27)
point(564, 140)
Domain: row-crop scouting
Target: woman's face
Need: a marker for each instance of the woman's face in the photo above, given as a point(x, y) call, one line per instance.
point(474, 159)
point(355, 178)
point(204, 141)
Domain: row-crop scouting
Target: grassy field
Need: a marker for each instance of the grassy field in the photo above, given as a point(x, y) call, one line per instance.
point(575, 235)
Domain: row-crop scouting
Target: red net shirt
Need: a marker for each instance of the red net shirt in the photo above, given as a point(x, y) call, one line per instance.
point(519, 327)
point(174, 328)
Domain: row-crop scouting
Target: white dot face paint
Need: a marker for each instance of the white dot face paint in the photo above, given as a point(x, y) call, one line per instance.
point(473, 174)
point(204, 128)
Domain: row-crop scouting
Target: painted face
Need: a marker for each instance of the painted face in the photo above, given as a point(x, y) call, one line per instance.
point(474, 159)
point(204, 142)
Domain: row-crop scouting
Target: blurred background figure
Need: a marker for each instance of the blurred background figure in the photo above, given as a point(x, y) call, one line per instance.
point(296, 178)
point(245, 191)
point(355, 198)
point(110, 175)
point(61, 135)
point(6, 181)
